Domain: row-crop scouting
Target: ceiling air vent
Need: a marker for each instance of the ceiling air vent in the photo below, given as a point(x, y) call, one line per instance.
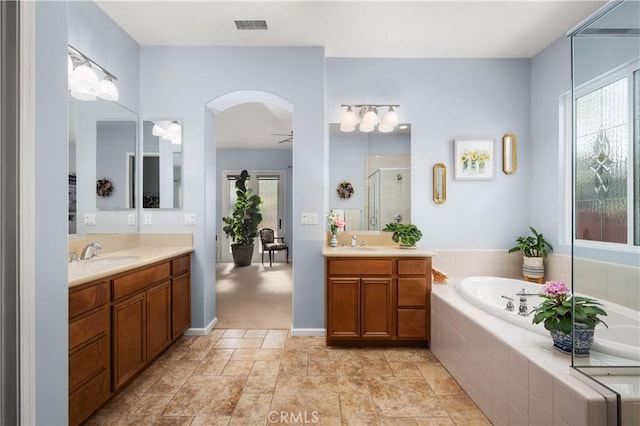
point(251, 24)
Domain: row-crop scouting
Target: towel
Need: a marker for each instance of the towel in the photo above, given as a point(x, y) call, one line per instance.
point(439, 277)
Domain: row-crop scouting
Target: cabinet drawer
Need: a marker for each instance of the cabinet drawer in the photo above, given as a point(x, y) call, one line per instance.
point(135, 281)
point(84, 329)
point(88, 360)
point(87, 298)
point(360, 267)
point(181, 265)
point(412, 291)
point(412, 266)
point(86, 399)
point(412, 323)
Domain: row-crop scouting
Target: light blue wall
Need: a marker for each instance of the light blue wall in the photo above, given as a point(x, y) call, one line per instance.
point(179, 82)
point(256, 159)
point(50, 239)
point(444, 99)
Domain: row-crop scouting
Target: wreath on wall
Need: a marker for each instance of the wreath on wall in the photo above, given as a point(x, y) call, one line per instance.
point(104, 187)
point(345, 189)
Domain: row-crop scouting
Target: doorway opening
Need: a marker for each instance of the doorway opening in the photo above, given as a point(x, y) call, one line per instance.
point(253, 132)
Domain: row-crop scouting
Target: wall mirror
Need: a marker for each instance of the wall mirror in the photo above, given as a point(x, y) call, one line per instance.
point(439, 183)
point(378, 165)
point(509, 153)
point(162, 164)
point(102, 147)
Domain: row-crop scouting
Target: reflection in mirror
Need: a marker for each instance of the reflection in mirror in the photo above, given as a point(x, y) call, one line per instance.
point(162, 164)
point(378, 165)
point(509, 154)
point(439, 183)
point(102, 145)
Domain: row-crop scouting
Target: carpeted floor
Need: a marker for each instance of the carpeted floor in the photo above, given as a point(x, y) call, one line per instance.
point(253, 297)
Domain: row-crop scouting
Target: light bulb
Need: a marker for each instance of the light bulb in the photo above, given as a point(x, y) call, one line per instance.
point(174, 128)
point(391, 118)
point(107, 90)
point(347, 127)
point(366, 127)
point(83, 83)
point(348, 120)
point(158, 131)
point(385, 128)
point(370, 119)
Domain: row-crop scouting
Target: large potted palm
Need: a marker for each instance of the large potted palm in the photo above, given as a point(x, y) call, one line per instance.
point(242, 226)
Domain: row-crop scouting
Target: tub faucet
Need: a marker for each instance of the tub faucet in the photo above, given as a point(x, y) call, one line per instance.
point(510, 307)
point(89, 251)
point(523, 310)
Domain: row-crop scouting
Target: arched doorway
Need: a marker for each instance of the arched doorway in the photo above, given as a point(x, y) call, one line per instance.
point(251, 133)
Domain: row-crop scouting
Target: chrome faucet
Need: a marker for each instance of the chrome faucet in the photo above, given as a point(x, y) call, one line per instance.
point(510, 307)
point(72, 257)
point(523, 310)
point(363, 243)
point(89, 251)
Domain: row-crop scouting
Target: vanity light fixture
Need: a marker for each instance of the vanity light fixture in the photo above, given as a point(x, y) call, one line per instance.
point(83, 80)
point(168, 131)
point(369, 118)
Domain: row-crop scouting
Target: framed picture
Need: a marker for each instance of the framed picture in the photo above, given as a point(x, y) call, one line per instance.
point(473, 159)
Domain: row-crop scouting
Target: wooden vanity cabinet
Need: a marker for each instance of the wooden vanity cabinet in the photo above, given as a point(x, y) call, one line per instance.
point(118, 325)
point(377, 299)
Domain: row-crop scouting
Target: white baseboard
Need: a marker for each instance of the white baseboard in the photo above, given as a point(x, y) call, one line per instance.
point(308, 332)
point(202, 331)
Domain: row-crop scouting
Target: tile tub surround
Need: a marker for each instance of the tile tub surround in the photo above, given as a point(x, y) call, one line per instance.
point(512, 374)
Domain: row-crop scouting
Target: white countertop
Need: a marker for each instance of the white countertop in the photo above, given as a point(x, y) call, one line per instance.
point(375, 251)
point(115, 262)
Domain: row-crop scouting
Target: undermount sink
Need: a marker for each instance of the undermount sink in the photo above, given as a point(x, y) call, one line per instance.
point(112, 260)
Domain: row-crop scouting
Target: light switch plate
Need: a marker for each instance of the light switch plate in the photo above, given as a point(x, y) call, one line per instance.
point(147, 219)
point(189, 219)
point(309, 218)
point(131, 219)
point(90, 219)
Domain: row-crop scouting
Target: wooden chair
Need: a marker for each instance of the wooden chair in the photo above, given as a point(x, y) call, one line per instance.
point(270, 244)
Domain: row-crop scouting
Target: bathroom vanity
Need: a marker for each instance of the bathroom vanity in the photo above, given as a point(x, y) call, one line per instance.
point(377, 295)
point(122, 319)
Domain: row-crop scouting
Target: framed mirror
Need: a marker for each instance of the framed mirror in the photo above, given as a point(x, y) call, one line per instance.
point(162, 164)
point(101, 151)
point(509, 154)
point(439, 183)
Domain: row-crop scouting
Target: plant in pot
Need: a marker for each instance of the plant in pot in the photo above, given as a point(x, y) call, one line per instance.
point(570, 319)
point(242, 226)
point(534, 249)
point(406, 234)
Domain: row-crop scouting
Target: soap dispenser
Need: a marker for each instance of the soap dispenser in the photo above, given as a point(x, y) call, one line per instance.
point(353, 241)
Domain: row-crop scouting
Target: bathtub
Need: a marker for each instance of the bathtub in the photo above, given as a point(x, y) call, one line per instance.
point(621, 339)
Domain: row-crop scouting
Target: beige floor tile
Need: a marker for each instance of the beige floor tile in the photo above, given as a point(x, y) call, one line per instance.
point(142, 383)
point(233, 333)
point(206, 396)
point(463, 411)
point(214, 363)
point(255, 334)
point(397, 421)
point(144, 404)
point(371, 354)
point(295, 355)
point(275, 339)
point(293, 368)
point(375, 368)
point(409, 354)
point(333, 354)
point(321, 368)
point(237, 368)
point(404, 397)
point(322, 403)
point(172, 377)
point(305, 342)
point(211, 420)
point(353, 385)
point(190, 353)
point(238, 343)
point(257, 354)
point(266, 368)
point(434, 421)
point(305, 384)
point(348, 368)
point(252, 410)
point(260, 384)
point(357, 409)
point(404, 368)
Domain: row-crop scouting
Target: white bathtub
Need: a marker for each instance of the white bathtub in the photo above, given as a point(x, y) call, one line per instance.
point(621, 339)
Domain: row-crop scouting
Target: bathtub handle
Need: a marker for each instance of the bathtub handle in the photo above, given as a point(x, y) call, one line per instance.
point(510, 307)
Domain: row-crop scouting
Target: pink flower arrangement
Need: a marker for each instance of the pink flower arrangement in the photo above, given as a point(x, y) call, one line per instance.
point(334, 222)
point(555, 288)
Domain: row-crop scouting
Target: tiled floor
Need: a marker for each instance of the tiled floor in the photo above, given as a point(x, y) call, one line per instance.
point(263, 377)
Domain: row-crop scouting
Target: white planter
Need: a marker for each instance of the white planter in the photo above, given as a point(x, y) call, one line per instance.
point(533, 261)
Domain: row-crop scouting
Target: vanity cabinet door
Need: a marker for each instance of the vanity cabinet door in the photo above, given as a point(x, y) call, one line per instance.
point(180, 305)
point(343, 307)
point(129, 338)
point(158, 319)
point(376, 307)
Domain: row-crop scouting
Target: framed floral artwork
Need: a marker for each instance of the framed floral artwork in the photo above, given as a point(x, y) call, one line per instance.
point(473, 159)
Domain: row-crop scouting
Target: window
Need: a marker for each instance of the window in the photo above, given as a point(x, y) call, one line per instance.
point(607, 161)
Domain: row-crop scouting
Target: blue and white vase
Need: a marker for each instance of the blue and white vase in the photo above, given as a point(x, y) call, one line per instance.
point(582, 339)
point(334, 240)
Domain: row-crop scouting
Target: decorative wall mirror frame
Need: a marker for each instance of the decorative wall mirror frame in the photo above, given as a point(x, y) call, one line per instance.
point(162, 164)
point(439, 183)
point(509, 153)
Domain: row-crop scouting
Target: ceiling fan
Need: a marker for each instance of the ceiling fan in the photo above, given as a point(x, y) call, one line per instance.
point(289, 137)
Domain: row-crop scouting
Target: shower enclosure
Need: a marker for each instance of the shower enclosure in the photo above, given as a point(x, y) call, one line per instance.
point(389, 197)
point(605, 259)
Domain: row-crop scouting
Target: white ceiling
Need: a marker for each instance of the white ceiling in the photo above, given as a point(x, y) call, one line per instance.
point(373, 29)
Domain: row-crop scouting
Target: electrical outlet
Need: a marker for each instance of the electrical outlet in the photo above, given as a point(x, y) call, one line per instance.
point(90, 219)
point(189, 219)
point(309, 218)
point(131, 219)
point(147, 219)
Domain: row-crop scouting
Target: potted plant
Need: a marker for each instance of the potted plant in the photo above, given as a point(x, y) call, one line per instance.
point(534, 249)
point(563, 315)
point(406, 234)
point(242, 226)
